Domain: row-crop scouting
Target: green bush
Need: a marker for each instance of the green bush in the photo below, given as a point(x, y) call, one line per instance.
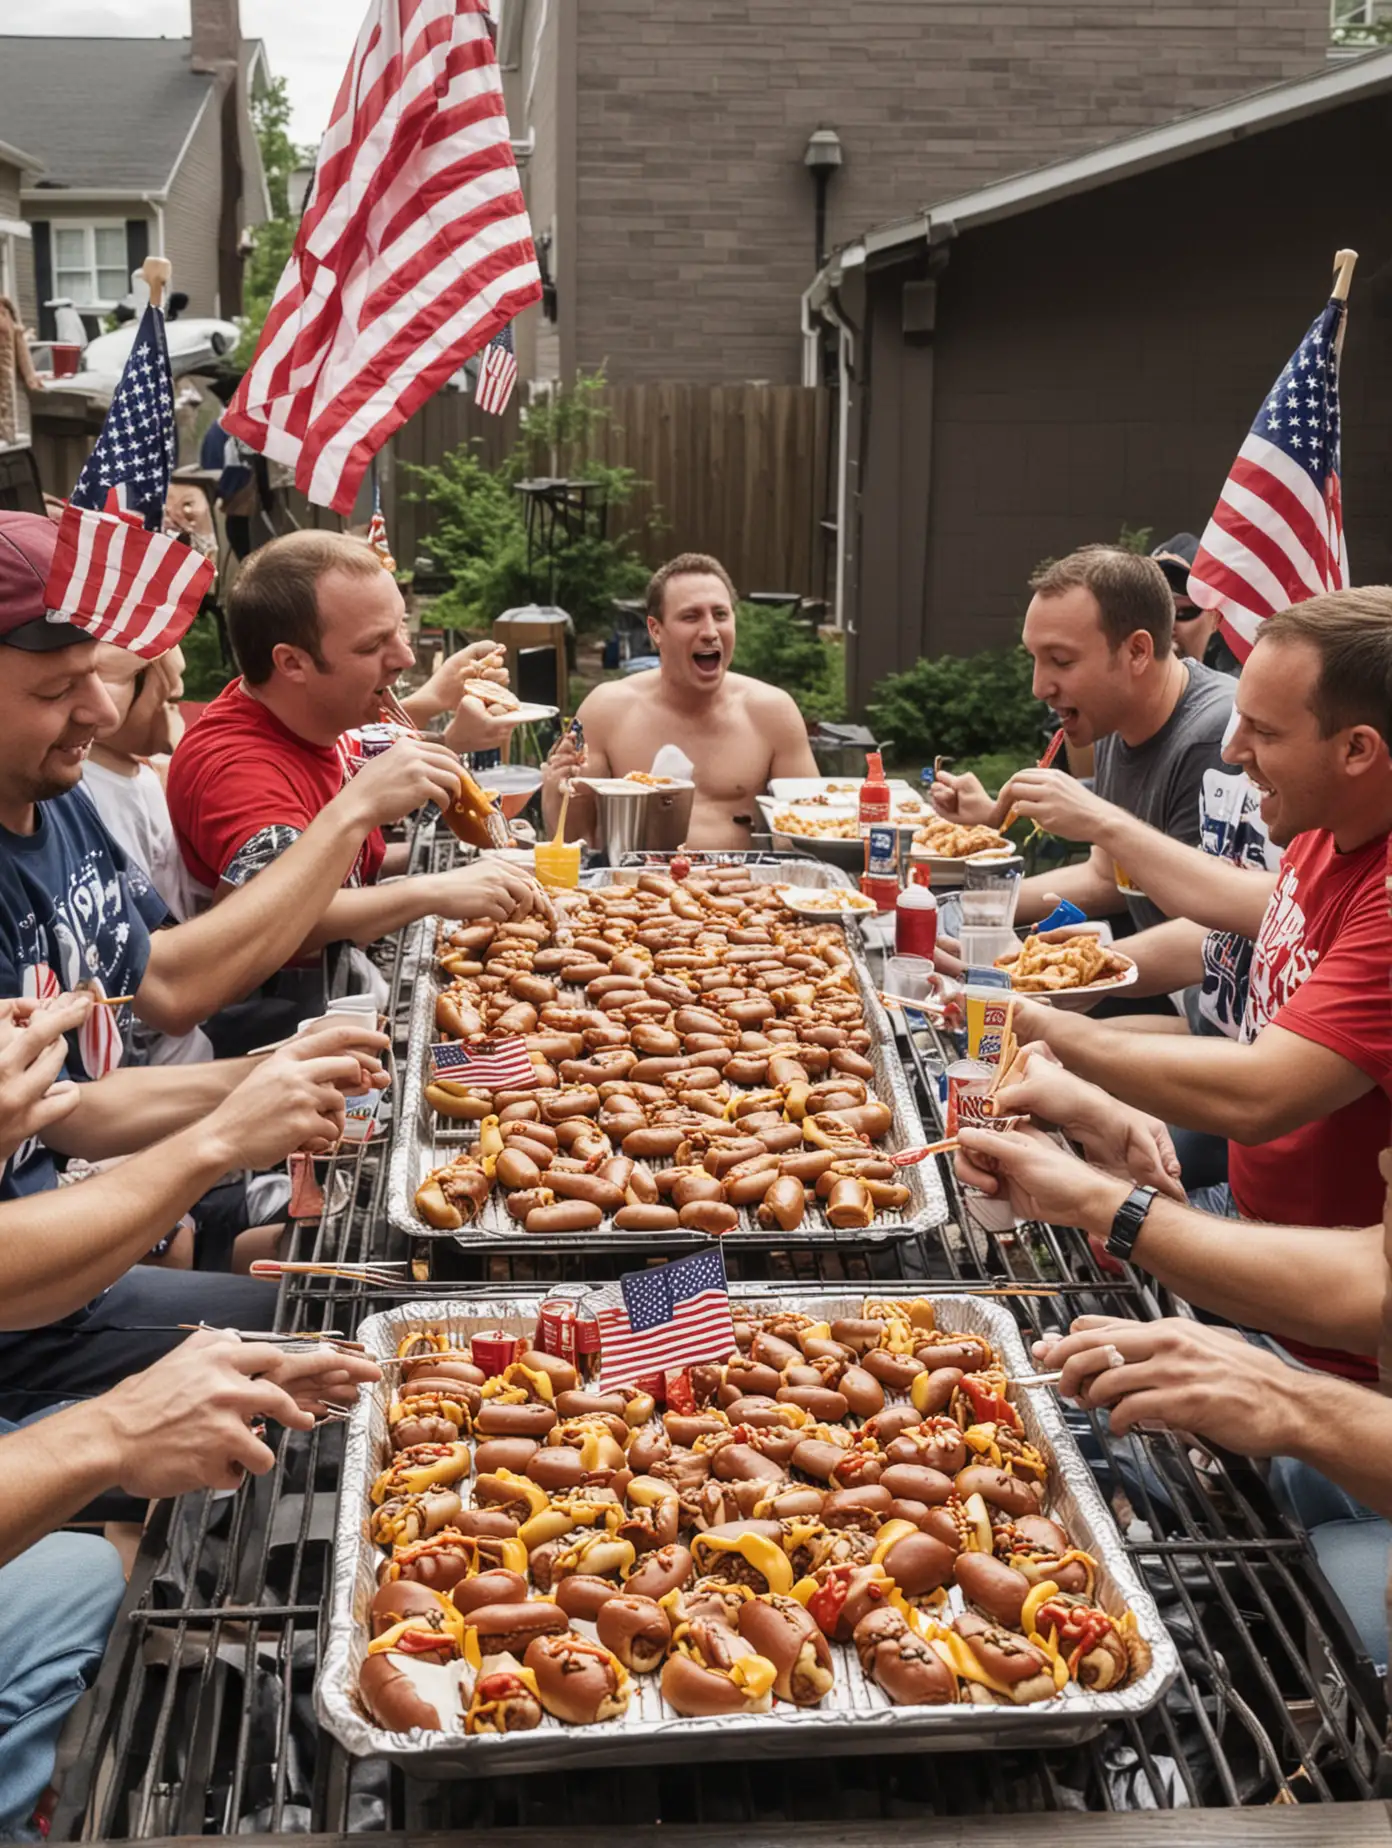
point(771, 646)
point(960, 706)
point(479, 538)
point(205, 674)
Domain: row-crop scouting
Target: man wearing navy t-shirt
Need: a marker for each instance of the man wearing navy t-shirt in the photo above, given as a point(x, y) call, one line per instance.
point(74, 910)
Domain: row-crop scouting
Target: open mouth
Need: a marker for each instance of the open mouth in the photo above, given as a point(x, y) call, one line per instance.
point(1067, 716)
point(707, 660)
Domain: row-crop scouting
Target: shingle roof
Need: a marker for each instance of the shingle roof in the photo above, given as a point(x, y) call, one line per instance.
point(100, 112)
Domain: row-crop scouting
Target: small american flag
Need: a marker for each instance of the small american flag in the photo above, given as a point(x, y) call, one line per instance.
point(672, 1316)
point(414, 250)
point(377, 531)
point(497, 373)
point(492, 1065)
point(130, 466)
point(1277, 533)
point(138, 590)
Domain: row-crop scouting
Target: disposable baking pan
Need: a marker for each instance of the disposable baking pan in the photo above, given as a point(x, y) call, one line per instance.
point(855, 1716)
point(423, 1140)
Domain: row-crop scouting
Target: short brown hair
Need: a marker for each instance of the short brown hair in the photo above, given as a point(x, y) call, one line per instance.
point(685, 564)
point(1351, 631)
point(276, 596)
point(1131, 592)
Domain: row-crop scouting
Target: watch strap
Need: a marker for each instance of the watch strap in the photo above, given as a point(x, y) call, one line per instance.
point(1126, 1225)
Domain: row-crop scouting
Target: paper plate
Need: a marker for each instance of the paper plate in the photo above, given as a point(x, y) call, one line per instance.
point(1073, 997)
point(529, 715)
point(826, 902)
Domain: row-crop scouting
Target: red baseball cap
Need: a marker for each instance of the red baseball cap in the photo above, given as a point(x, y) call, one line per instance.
point(27, 543)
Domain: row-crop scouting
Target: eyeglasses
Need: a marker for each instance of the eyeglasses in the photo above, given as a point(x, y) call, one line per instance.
point(1189, 615)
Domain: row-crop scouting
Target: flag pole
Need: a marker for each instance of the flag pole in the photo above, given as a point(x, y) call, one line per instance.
point(1344, 261)
point(157, 272)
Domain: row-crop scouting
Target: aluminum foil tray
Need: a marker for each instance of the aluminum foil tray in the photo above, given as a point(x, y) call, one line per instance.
point(424, 1141)
point(855, 1716)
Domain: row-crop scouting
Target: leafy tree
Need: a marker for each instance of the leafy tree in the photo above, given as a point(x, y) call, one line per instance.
point(772, 646)
point(275, 238)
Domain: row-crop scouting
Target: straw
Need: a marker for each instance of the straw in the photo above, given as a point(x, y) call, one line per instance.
point(558, 838)
point(1008, 1049)
point(1051, 751)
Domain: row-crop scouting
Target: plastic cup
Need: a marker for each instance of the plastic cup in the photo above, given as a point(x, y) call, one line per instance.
point(912, 978)
point(558, 864)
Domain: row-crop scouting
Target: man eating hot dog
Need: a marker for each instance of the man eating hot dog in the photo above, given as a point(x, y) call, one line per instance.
point(737, 732)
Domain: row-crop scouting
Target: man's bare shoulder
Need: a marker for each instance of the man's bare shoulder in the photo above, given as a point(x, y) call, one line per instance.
point(612, 696)
point(771, 705)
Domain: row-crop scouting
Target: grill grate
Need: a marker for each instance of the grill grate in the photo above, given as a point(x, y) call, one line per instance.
point(201, 1720)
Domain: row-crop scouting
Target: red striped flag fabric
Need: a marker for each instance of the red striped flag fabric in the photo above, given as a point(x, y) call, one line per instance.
point(497, 374)
point(658, 1320)
point(136, 589)
point(1277, 534)
point(415, 249)
point(491, 1065)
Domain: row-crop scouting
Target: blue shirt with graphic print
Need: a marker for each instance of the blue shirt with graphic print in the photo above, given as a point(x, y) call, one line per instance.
point(73, 908)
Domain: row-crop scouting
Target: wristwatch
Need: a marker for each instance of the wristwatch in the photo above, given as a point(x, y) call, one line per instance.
point(1126, 1226)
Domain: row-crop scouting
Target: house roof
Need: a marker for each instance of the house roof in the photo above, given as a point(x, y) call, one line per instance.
point(102, 114)
point(1348, 80)
point(16, 157)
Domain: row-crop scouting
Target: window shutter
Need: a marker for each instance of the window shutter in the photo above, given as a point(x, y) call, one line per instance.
point(43, 277)
point(137, 242)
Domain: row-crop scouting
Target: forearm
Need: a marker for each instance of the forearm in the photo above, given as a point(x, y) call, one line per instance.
point(1167, 957)
point(1083, 884)
point(1199, 1083)
point(52, 1469)
point(362, 914)
point(222, 955)
point(1184, 881)
point(1299, 1283)
point(135, 1106)
point(63, 1247)
point(1343, 1431)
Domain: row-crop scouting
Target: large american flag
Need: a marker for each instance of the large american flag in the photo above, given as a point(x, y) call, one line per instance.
point(497, 373)
point(130, 465)
point(414, 251)
point(674, 1315)
point(1277, 533)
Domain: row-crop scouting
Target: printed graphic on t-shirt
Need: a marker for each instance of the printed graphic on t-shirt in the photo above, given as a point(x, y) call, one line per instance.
point(1230, 825)
point(1281, 962)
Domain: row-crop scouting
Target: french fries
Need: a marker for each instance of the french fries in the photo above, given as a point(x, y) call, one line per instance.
point(1040, 967)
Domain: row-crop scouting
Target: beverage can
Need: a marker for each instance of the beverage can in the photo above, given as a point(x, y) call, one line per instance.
point(969, 1084)
point(494, 1349)
point(880, 880)
point(556, 1330)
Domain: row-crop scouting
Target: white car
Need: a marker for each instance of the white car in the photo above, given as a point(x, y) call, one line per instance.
point(195, 344)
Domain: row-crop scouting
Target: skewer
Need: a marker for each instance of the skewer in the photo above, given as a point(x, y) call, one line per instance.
point(1051, 751)
point(384, 1273)
point(909, 1158)
point(1036, 1379)
point(330, 1338)
point(111, 1000)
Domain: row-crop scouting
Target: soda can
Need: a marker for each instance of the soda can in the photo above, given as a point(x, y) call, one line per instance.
point(586, 1357)
point(495, 1350)
point(968, 1093)
point(556, 1329)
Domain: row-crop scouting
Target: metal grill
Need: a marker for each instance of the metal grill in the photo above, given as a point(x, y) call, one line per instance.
point(201, 1720)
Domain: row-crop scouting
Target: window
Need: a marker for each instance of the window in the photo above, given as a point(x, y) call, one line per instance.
point(89, 264)
point(1360, 22)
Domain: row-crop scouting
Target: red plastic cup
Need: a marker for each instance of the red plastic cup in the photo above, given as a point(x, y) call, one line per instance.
point(67, 358)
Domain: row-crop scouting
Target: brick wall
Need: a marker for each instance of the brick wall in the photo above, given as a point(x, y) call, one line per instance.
point(695, 236)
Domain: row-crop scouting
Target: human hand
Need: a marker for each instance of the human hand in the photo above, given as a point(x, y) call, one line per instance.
point(471, 729)
point(185, 1423)
point(293, 1100)
point(1043, 1181)
point(320, 1376)
point(491, 890)
point(964, 799)
point(1179, 1374)
point(947, 957)
point(442, 692)
point(1058, 803)
point(566, 758)
point(32, 1054)
point(413, 772)
point(1115, 1136)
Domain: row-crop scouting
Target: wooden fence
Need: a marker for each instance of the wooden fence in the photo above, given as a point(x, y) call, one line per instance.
point(742, 471)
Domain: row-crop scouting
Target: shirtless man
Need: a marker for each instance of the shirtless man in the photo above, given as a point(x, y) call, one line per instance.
point(737, 732)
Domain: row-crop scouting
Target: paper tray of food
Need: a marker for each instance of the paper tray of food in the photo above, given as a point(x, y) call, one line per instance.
point(427, 1142)
point(1121, 1657)
point(1068, 970)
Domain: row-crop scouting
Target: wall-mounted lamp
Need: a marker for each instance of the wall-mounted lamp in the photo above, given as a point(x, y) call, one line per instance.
point(822, 157)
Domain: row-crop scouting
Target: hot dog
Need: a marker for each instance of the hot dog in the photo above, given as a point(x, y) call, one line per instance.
point(578, 1681)
point(565, 1216)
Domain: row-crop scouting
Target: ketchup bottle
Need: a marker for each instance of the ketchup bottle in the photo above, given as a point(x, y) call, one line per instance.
point(916, 917)
point(874, 804)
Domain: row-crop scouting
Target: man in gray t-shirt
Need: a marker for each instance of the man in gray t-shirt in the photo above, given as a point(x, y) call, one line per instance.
point(1100, 628)
point(1160, 780)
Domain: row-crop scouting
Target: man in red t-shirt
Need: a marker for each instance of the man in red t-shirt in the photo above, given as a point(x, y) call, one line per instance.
point(318, 628)
point(1304, 1096)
